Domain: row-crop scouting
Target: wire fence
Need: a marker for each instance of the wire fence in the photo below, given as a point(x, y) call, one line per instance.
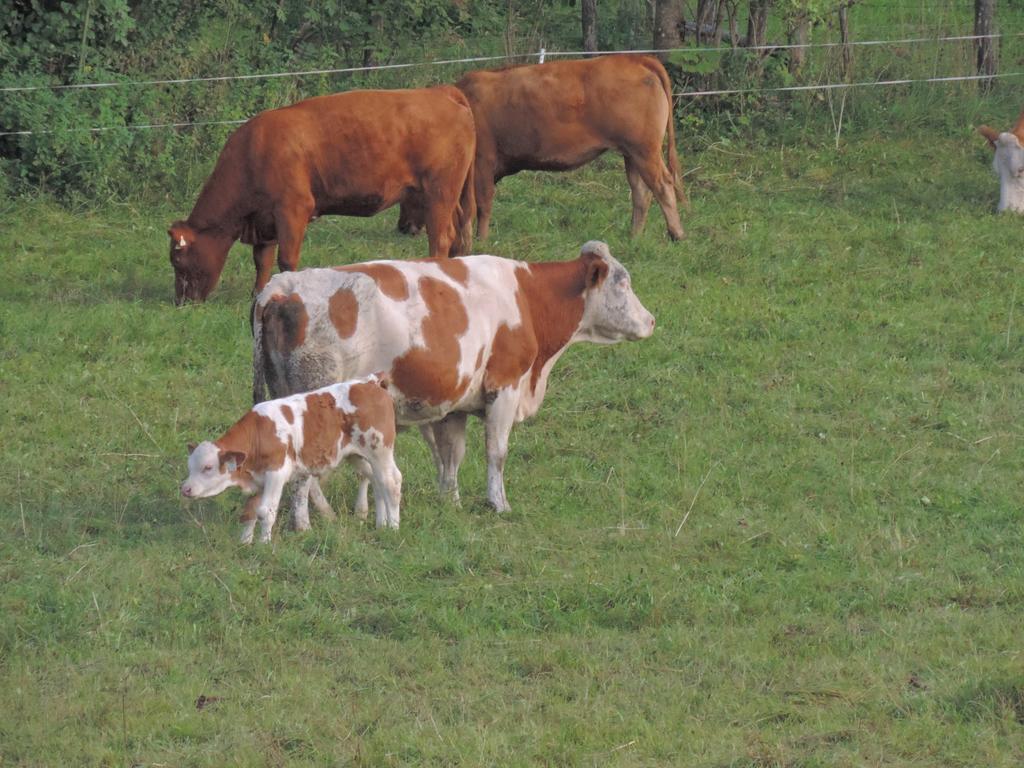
point(540, 56)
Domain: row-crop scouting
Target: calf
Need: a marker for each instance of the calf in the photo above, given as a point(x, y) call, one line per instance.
point(476, 335)
point(301, 436)
point(1008, 163)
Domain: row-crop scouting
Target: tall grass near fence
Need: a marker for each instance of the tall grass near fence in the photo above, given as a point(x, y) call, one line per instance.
point(784, 531)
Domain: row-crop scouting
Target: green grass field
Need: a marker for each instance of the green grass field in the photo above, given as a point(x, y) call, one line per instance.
point(784, 531)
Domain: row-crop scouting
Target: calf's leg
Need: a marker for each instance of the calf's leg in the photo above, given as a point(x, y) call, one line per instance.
point(248, 519)
point(387, 488)
point(316, 494)
point(270, 500)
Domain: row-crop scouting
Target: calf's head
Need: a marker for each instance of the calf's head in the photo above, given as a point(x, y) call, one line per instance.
point(611, 311)
point(211, 470)
point(1008, 164)
point(198, 259)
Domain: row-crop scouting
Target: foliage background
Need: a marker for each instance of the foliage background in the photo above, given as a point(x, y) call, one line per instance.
point(48, 43)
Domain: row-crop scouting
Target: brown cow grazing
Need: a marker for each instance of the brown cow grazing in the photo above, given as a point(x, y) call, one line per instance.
point(352, 154)
point(561, 115)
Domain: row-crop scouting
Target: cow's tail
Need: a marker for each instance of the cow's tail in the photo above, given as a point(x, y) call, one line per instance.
point(259, 358)
point(465, 214)
point(671, 155)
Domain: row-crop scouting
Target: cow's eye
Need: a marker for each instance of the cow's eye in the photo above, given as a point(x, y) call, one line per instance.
point(208, 468)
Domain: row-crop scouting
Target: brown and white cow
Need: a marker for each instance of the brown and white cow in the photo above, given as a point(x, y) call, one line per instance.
point(561, 115)
point(1008, 163)
point(301, 436)
point(477, 335)
point(352, 154)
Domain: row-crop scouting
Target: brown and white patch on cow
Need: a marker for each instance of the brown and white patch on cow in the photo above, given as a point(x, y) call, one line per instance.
point(254, 435)
point(431, 371)
point(373, 412)
point(285, 321)
point(389, 280)
point(343, 309)
point(554, 292)
point(513, 349)
point(324, 430)
point(455, 269)
point(288, 414)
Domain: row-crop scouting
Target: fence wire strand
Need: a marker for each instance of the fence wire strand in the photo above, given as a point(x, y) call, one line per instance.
point(482, 59)
point(541, 54)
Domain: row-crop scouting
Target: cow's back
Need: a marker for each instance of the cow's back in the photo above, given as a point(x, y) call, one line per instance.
point(539, 115)
point(429, 324)
point(355, 152)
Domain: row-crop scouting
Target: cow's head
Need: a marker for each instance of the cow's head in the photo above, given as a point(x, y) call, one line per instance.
point(211, 470)
point(198, 259)
point(611, 311)
point(1008, 163)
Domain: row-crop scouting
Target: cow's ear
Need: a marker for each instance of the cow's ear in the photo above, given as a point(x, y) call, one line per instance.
point(989, 133)
point(181, 235)
point(191, 448)
point(1018, 128)
point(230, 461)
point(597, 271)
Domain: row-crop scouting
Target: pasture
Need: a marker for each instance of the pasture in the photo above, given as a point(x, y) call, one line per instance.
point(784, 531)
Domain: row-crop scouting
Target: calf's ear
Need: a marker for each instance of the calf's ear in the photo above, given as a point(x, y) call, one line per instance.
point(232, 460)
point(191, 448)
point(989, 133)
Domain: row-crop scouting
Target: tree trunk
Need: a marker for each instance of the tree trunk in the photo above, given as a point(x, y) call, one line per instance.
point(844, 33)
point(668, 17)
point(588, 14)
point(799, 29)
point(709, 13)
point(984, 24)
point(757, 22)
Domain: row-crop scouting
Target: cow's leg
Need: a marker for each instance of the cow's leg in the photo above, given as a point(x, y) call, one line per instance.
point(301, 487)
point(248, 519)
point(498, 420)
point(270, 500)
point(361, 507)
point(641, 197)
point(484, 181)
point(291, 228)
point(657, 177)
point(440, 216)
point(450, 434)
point(410, 215)
point(263, 260)
point(316, 495)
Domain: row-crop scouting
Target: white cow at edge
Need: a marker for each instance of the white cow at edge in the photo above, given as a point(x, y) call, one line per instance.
point(1008, 163)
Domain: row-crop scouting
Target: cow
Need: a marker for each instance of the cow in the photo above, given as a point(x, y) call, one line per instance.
point(560, 115)
point(302, 435)
point(352, 154)
point(475, 335)
point(1008, 164)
